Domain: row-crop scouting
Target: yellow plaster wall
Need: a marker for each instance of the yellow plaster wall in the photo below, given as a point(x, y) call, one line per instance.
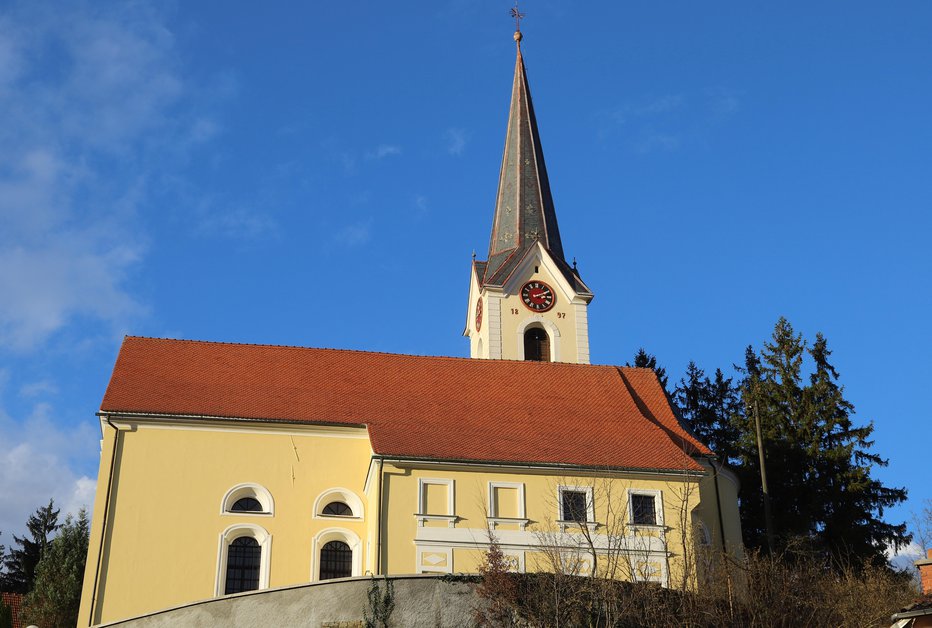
point(471, 488)
point(162, 535)
point(165, 520)
point(731, 517)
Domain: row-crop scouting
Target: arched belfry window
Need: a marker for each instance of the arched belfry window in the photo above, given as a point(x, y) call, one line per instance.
point(536, 345)
point(336, 560)
point(244, 558)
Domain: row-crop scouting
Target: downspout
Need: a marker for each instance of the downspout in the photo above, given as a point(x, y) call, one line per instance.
point(103, 526)
point(378, 542)
point(718, 504)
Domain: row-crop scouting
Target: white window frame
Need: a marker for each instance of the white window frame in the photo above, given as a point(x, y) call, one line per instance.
point(335, 534)
point(590, 507)
point(493, 517)
point(658, 508)
point(339, 494)
point(422, 516)
point(248, 489)
point(229, 535)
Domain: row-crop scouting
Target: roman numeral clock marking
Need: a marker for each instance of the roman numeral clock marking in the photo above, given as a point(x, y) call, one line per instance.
point(537, 296)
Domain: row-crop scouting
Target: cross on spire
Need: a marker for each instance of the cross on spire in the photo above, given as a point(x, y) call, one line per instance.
point(515, 13)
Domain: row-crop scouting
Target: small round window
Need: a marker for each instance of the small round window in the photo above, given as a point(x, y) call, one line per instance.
point(337, 509)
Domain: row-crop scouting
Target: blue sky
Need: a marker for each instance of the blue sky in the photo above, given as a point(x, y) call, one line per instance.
point(321, 175)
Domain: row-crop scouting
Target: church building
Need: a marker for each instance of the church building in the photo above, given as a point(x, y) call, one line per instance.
point(228, 468)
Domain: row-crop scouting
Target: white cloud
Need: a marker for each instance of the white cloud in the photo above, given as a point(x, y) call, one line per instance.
point(658, 141)
point(355, 234)
point(36, 464)
point(905, 556)
point(86, 95)
point(238, 223)
point(39, 388)
point(383, 150)
point(664, 104)
point(421, 204)
point(724, 101)
point(456, 140)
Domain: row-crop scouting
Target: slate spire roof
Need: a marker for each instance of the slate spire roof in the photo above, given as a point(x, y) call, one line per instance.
point(524, 212)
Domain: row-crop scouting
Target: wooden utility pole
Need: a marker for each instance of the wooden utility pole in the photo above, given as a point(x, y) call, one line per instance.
point(768, 516)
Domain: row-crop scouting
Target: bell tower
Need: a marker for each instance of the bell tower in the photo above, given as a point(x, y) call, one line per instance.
point(525, 301)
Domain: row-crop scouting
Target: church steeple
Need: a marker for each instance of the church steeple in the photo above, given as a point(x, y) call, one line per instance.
point(524, 212)
point(526, 302)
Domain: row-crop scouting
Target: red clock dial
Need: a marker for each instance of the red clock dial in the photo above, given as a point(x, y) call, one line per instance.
point(479, 315)
point(537, 296)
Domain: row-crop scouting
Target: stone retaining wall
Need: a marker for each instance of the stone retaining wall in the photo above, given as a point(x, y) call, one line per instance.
point(420, 601)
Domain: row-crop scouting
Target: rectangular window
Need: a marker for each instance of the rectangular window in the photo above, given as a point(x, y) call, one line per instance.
point(643, 511)
point(574, 505)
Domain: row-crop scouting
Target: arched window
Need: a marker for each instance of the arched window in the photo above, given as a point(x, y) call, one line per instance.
point(338, 503)
point(244, 557)
point(536, 345)
point(247, 504)
point(337, 509)
point(248, 499)
point(336, 560)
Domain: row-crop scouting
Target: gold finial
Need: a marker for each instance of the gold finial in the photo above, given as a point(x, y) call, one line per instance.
point(515, 13)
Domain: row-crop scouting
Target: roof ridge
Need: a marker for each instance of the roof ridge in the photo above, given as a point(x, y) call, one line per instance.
point(367, 352)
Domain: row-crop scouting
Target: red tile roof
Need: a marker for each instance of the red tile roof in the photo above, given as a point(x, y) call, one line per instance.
point(15, 602)
point(415, 406)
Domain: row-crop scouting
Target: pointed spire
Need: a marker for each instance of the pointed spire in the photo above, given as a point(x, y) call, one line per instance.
point(524, 212)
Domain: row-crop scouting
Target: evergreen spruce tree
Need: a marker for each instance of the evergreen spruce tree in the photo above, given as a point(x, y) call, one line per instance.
point(818, 462)
point(56, 597)
point(643, 359)
point(710, 409)
point(850, 502)
point(21, 562)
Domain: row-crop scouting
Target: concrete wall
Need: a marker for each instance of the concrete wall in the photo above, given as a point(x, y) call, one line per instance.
point(420, 601)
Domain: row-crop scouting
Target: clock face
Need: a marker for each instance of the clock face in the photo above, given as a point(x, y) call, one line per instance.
point(479, 315)
point(537, 296)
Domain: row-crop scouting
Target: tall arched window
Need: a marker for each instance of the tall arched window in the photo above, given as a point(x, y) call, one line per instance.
point(536, 345)
point(244, 557)
point(336, 560)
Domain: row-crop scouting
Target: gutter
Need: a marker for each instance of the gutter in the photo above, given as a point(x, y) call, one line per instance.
point(543, 466)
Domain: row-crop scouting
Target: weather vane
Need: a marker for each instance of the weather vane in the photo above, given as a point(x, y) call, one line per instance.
point(518, 15)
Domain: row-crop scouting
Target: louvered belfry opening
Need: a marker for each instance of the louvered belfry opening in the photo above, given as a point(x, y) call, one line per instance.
point(536, 345)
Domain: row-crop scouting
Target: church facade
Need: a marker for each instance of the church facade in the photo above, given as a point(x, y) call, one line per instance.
point(228, 468)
